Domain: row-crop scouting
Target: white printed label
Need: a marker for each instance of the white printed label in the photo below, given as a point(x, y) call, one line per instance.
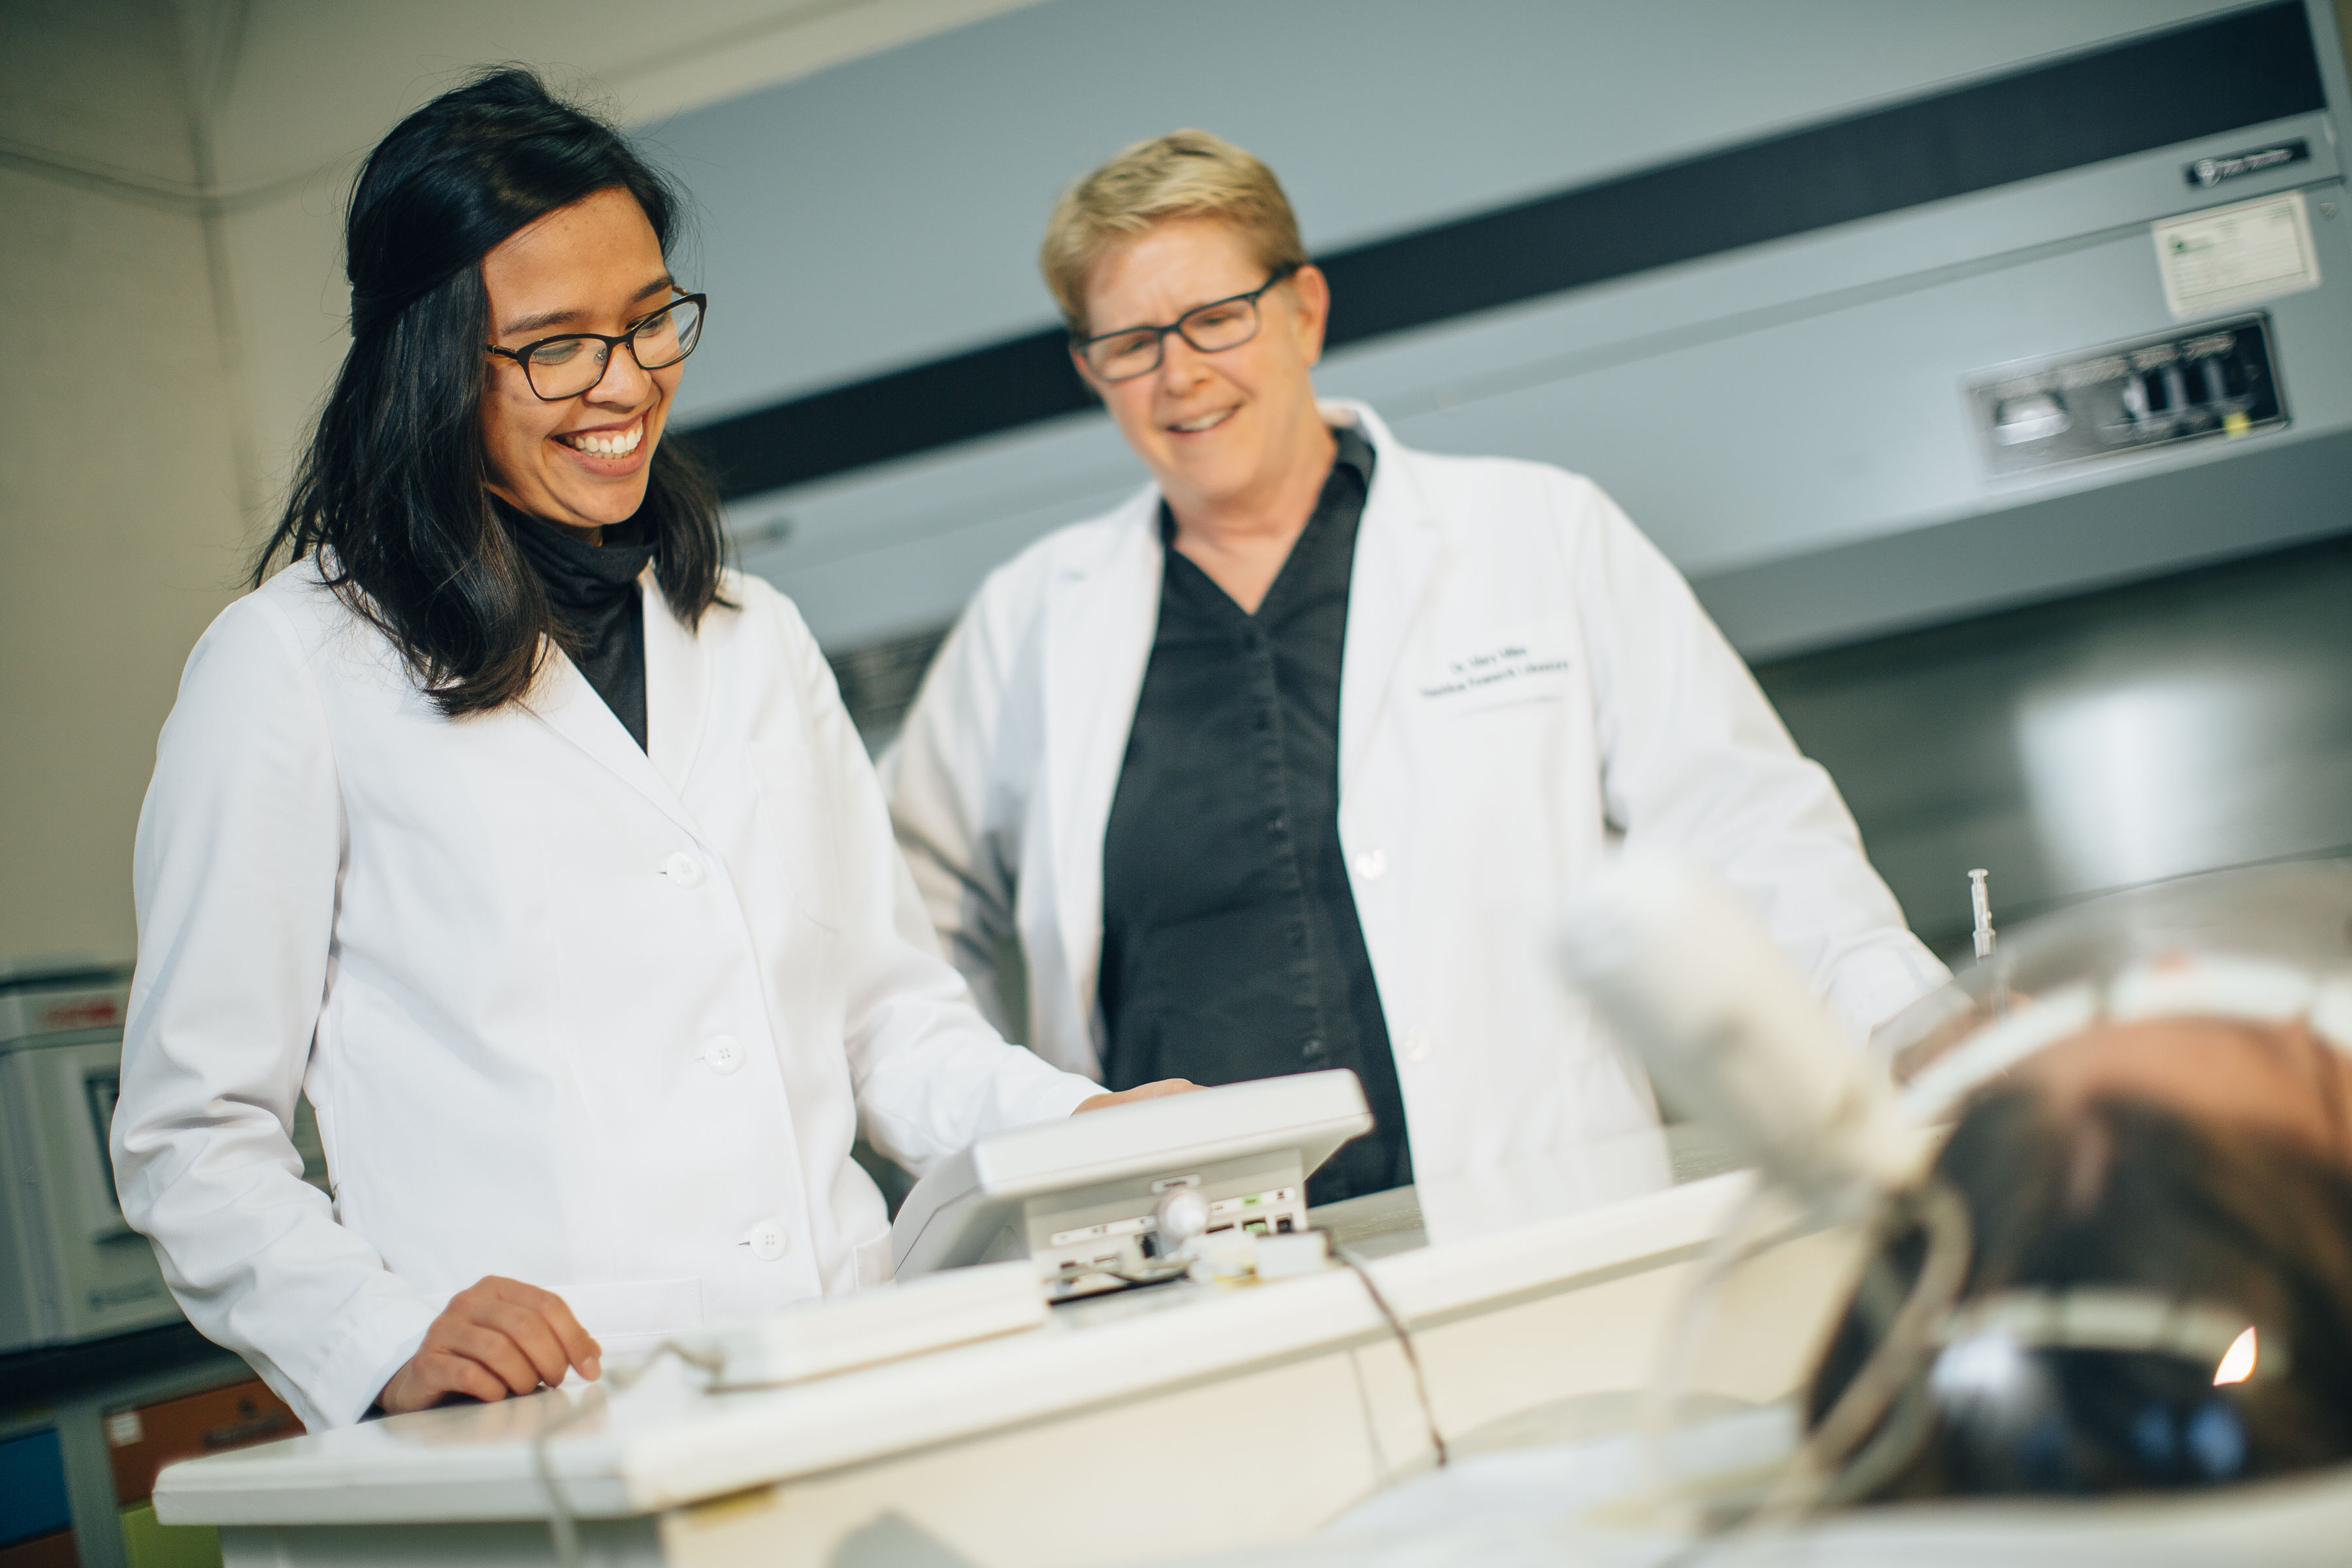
point(1531, 661)
point(123, 1429)
point(1117, 1227)
point(2228, 256)
point(1267, 1201)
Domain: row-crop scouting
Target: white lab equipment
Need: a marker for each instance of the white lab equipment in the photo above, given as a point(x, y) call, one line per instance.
point(889, 1322)
point(1689, 979)
point(1098, 1199)
point(69, 1267)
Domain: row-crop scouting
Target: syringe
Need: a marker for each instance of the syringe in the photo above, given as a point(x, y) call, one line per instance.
point(1980, 905)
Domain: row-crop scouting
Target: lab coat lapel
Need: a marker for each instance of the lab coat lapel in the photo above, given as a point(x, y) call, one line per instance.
point(677, 688)
point(562, 699)
point(1401, 551)
point(1101, 615)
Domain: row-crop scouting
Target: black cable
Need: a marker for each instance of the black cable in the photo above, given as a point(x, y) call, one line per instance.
point(1403, 1338)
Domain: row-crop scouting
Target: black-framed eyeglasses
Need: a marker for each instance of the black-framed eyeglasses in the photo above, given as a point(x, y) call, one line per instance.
point(1213, 327)
point(573, 364)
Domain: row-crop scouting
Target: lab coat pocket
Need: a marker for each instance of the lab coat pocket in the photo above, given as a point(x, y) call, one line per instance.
point(800, 822)
point(1527, 663)
point(634, 1315)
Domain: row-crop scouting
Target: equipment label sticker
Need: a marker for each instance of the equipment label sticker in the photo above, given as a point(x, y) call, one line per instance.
point(2227, 256)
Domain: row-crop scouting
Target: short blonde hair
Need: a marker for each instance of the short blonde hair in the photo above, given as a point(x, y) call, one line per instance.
point(1185, 174)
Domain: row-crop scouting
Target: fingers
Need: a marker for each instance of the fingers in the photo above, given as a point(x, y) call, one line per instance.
point(445, 1374)
point(495, 1338)
point(1166, 1086)
point(431, 1375)
point(511, 1344)
point(530, 1333)
point(494, 1350)
point(577, 1346)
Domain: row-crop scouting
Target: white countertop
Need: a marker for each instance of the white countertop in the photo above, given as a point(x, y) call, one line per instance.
point(663, 1443)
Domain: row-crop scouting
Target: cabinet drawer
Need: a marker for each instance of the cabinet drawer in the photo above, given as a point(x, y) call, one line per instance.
point(143, 1440)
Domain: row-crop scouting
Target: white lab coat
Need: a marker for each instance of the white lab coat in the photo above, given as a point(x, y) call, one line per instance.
point(1525, 678)
point(570, 1013)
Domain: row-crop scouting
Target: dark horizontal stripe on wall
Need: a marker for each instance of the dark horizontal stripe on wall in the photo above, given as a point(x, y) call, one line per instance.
point(2214, 77)
point(1001, 387)
point(2198, 80)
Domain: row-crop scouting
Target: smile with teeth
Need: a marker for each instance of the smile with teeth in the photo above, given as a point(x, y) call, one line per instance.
point(607, 443)
point(1205, 422)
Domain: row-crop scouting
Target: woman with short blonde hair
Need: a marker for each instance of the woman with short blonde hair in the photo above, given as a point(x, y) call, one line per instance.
point(1185, 174)
point(1289, 761)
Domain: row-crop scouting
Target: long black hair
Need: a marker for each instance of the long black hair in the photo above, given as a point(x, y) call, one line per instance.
point(390, 495)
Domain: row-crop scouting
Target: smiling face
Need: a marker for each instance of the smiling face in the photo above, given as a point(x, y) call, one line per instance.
point(591, 267)
point(1222, 431)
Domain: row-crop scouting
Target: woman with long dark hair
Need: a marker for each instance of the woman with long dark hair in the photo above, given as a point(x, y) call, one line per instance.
point(529, 841)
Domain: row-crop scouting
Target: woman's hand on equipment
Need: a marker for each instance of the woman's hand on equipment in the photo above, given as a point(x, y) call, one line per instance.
point(1141, 1091)
point(497, 1337)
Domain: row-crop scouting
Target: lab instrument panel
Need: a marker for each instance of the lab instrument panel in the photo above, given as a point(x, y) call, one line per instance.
point(2213, 380)
point(1090, 1199)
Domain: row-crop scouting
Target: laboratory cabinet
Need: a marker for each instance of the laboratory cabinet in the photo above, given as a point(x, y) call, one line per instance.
point(78, 1459)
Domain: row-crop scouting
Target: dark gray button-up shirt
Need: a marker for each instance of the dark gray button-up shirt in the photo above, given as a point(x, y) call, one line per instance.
point(1230, 948)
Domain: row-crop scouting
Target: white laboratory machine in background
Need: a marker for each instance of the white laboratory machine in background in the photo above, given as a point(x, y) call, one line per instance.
point(71, 1268)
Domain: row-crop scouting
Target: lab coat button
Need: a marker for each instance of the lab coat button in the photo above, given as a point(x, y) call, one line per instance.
point(722, 1054)
point(768, 1241)
point(1418, 1045)
point(1372, 865)
point(684, 870)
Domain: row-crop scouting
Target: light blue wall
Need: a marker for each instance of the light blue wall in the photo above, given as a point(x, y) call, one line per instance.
point(888, 211)
point(1787, 421)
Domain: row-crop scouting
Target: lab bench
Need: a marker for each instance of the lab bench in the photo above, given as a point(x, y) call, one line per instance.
point(1152, 1423)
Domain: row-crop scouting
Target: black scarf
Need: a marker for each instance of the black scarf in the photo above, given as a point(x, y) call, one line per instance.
point(594, 590)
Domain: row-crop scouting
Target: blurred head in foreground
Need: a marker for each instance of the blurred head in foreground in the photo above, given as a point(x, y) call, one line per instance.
point(2158, 1292)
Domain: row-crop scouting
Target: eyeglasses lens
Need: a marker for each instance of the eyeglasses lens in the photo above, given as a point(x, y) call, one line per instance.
point(1228, 324)
point(566, 367)
point(1128, 353)
point(665, 339)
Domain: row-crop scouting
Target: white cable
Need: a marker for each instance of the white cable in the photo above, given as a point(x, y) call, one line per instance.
point(563, 1522)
